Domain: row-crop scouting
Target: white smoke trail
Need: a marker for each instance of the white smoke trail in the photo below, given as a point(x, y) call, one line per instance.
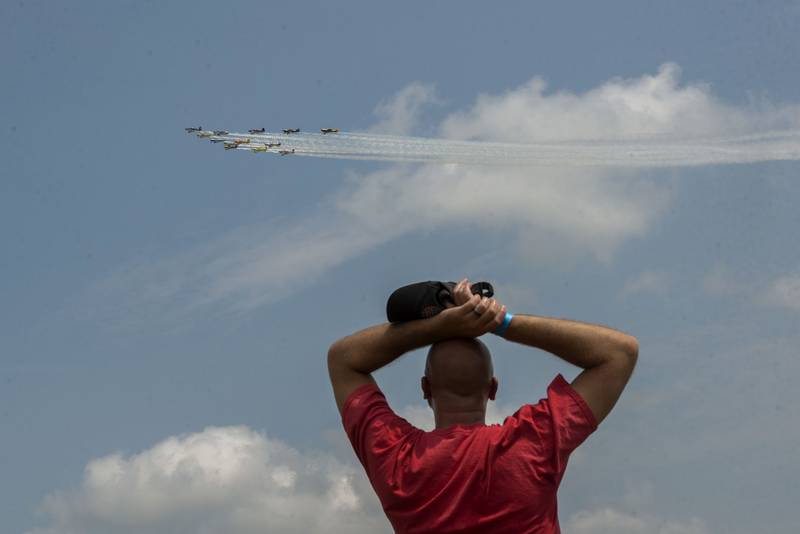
point(644, 151)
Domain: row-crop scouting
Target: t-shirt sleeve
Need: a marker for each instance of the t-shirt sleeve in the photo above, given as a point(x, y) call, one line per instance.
point(555, 426)
point(374, 430)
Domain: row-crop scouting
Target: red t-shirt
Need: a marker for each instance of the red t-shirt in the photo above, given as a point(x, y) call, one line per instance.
point(469, 478)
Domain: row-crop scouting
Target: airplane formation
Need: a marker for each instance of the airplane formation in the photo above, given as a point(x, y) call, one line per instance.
point(238, 141)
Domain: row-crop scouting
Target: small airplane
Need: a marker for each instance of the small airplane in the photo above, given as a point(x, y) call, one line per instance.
point(221, 132)
point(191, 129)
point(244, 141)
point(259, 148)
point(257, 130)
point(229, 145)
point(218, 140)
point(272, 145)
point(329, 130)
point(204, 134)
point(288, 131)
point(286, 152)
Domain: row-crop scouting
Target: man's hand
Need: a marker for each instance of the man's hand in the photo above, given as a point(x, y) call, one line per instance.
point(475, 317)
point(462, 292)
point(458, 296)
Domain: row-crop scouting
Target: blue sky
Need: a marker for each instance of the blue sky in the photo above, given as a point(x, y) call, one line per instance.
point(163, 298)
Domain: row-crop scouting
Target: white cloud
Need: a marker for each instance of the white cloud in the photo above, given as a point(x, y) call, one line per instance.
point(400, 113)
point(235, 480)
point(540, 214)
point(652, 282)
point(227, 479)
point(784, 292)
point(552, 214)
point(608, 520)
point(648, 105)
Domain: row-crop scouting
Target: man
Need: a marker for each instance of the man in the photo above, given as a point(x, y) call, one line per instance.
point(465, 476)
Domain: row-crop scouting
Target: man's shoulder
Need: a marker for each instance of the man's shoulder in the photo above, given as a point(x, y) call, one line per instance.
point(367, 406)
point(562, 401)
point(361, 393)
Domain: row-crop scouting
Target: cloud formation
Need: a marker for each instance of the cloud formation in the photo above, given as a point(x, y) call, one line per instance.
point(223, 479)
point(619, 109)
point(538, 214)
point(400, 114)
point(235, 480)
point(608, 520)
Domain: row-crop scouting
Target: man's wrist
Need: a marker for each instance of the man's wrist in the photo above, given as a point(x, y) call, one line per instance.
point(441, 327)
point(501, 330)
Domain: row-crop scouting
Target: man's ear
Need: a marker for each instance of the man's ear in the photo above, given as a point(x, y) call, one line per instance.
point(426, 388)
point(493, 388)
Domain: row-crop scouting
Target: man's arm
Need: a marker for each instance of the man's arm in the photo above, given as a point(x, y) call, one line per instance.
point(607, 356)
point(353, 358)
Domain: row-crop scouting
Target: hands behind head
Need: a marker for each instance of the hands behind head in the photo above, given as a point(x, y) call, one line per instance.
point(472, 315)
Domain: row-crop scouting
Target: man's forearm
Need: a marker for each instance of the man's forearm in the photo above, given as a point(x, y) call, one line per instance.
point(376, 346)
point(581, 344)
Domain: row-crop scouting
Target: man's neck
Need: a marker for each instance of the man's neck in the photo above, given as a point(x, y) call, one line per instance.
point(467, 417)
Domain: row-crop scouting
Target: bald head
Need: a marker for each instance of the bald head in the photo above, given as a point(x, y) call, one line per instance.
point(459, 367)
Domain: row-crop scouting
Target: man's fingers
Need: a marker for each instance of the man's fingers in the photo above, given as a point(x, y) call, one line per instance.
point(492, 317)
point(482, 306)
point(499, 317)
point(468, 308)
point(489, 314)
point(465, 292)
point(461, 293)
point(461, 288)
point(485, 312)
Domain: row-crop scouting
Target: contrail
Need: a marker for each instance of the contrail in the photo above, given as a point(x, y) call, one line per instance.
point(645, 151)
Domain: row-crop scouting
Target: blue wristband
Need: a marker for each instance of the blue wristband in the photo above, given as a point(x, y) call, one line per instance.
point(503, 327)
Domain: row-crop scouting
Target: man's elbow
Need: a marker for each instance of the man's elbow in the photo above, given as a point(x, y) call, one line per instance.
point(629, 349)
point(336, 353)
